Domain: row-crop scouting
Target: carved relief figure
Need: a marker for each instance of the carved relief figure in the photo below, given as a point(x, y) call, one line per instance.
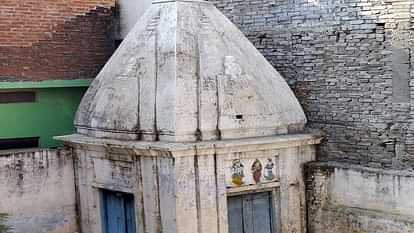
point(257, 171)
point(268, 172)
point(237, 173)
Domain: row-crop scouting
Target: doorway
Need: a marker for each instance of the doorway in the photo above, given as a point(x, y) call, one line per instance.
point(118, 212)
point(251, 213)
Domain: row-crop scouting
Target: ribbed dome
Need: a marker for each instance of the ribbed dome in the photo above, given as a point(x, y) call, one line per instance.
point(186, 73)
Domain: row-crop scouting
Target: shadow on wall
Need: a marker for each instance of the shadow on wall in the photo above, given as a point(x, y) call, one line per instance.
point(75, 49)
point(348, 63)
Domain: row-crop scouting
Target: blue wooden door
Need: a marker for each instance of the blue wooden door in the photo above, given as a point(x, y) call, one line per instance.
point(251, 213)
point(118, 214)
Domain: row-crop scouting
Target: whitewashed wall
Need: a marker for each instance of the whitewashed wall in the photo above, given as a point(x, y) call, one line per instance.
point(37, 192)
point(350, 198)
point(129, 12)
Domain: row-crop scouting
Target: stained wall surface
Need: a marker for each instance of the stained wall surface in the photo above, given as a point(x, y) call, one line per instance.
point(180, 188)
point(37, 192)
point(351, 198)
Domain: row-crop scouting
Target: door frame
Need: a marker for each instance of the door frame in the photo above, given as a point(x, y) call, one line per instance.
point(274, 189)
point(102, 207)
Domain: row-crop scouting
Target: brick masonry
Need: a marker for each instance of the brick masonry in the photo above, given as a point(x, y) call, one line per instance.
point(349, 63)
point(59, 39)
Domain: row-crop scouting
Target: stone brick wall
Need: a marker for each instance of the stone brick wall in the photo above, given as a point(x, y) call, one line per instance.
point(54, 39)
point(349, 63)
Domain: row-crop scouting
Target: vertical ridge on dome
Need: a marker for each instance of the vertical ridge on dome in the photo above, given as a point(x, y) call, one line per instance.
point(209, 98)
point(147, 77)
point(187, 69)
point(166, 71)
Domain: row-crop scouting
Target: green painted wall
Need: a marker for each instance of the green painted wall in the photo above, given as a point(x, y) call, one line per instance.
point(51, 115)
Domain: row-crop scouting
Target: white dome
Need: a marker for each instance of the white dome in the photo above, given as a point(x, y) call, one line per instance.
point(186, 73)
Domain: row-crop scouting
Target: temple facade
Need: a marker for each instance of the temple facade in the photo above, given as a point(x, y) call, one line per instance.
point(186, 125)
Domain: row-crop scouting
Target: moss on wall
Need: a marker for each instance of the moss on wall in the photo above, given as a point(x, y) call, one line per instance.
point(3, 227)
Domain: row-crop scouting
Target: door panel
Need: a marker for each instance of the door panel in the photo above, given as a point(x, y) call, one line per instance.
point(235, 208)
point(262, 213)
point(118, 214)
point(130, 214)
point(251, 213)
point(247, 211)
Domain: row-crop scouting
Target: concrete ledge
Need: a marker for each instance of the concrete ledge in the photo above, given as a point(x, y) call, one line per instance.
point(357, 167)
point(46, 84)
point(158, 148)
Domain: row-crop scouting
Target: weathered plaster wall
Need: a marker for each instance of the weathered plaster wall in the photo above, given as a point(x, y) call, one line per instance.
point(349, 63)
point(355, 199)
point(37, 192)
